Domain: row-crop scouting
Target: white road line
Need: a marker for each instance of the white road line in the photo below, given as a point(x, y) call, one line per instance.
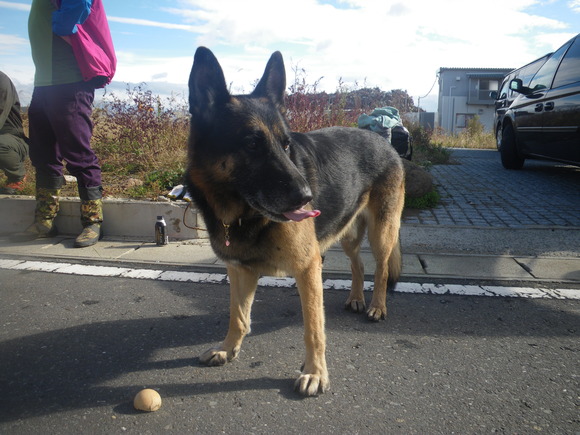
point(267, 281)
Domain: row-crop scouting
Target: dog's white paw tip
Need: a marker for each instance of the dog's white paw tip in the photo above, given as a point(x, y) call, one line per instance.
point(311, 385)
point(214, 357)
point(355, 306)
point(376, 314)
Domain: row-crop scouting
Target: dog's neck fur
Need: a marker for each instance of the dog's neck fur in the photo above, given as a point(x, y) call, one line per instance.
point(226, 222)
point(231, 239)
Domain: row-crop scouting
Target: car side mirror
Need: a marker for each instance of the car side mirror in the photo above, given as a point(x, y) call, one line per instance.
point(493, 95)
point(518, 86)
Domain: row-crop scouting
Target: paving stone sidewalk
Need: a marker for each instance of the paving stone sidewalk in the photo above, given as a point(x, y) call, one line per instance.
point(479, 192)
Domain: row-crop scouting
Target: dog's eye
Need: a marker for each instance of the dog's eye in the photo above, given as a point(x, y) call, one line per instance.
point(251, 143)
point(254, 141)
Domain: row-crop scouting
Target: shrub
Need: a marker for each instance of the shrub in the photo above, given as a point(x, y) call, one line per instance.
point(474, 136)
point(429, 200)
point(142, 136)
point(141, 139)
point(307, 109)
point(426, 150)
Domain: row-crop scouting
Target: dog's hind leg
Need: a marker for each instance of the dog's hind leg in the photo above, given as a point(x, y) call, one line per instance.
point(351, 242)
point(243, 283)
point(384, 225)
point(314, 377)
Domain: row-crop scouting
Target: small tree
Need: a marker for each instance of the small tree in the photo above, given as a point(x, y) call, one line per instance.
point(474, 127)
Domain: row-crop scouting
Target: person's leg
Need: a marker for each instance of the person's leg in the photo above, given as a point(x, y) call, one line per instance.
point(44, 148)
point(45, 158)
point(91, 216)
point(73, 128)
point(47, 206)
point(13, 152)
point(71, 121)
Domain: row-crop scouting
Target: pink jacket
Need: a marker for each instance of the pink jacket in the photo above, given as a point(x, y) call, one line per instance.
point(92, 44)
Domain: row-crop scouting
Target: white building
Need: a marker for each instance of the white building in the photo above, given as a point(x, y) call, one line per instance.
point(464, 93)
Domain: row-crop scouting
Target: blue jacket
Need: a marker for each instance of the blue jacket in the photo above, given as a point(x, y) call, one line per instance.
point(70, 13)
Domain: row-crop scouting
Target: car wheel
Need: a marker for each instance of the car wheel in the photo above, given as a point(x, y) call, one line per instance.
point(498, 135)
point(510, 158)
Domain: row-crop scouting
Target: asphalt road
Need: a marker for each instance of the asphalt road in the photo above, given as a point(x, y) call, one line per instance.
point(75, 350)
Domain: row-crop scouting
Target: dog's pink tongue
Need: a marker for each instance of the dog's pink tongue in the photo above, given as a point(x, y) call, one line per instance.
point(298, 215)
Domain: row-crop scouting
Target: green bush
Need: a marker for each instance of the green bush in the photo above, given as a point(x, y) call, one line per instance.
point(429, 200)
point(427, 151)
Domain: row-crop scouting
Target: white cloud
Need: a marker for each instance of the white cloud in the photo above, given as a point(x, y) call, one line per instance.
point(553, 40)
point(132, 68)
point(15, 6)
point(150, 23)
point(391, 44)
point(11, 43)
point(574, 5)
point(385, 43)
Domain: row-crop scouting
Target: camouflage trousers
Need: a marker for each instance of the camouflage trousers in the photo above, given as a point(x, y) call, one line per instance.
point(91, 219)
point(91, 211)
point(47, 206)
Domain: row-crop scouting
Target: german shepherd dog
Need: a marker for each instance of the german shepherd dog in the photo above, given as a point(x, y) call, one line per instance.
point(273, 201)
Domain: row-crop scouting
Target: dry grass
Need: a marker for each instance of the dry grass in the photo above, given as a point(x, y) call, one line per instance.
point(426, 150)
point(474, 136)
point(141, 139)
point(141, 143)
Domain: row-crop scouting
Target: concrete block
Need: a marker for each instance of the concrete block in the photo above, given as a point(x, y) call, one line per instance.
point(336, 260)
point(553, 268)
point(122, 218)
point(485, 267)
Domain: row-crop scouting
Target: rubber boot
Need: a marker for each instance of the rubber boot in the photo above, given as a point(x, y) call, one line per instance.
point(47, 205)
point(91, 217)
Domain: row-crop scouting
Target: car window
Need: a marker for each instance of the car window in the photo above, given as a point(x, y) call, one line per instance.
point(569, 70)
point(503, 92)
point(544, 76)
point(528, 72)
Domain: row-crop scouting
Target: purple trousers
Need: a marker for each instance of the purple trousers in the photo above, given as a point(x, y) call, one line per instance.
point(61, 130)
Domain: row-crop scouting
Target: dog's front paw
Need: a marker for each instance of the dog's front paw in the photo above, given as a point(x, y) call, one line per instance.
point(355, 305)
point(215, 356)
point(377, 313)
point(309, 384)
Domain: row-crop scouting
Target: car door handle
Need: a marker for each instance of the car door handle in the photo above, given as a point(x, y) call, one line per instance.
point(539, 107)
point(549, 106)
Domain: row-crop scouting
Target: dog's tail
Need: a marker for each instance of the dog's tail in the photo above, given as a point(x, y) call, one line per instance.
point(395, 266)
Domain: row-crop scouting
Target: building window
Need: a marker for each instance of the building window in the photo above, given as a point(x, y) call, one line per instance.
point(485, 87)
point(479, 90)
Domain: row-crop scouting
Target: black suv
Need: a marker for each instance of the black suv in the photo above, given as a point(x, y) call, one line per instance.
point(505, 96)
point(543, 120)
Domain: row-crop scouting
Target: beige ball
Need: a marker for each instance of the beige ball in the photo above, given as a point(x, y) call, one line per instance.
point(147, 400)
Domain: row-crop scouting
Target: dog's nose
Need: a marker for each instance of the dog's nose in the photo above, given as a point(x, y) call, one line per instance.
point(301, 196)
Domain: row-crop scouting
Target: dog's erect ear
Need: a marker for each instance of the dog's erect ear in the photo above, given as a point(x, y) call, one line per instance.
point(273, 82)
point(207, 84)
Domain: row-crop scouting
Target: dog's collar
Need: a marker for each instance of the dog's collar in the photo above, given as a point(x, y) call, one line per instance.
point(249, 221)
point(227, 230)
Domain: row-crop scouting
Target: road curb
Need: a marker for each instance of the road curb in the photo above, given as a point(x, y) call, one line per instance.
point(122, 217)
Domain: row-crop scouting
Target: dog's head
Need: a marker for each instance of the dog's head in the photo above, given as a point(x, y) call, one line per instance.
point(240, 145)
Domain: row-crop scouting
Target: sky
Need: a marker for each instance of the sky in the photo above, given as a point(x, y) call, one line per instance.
point(389, 44)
